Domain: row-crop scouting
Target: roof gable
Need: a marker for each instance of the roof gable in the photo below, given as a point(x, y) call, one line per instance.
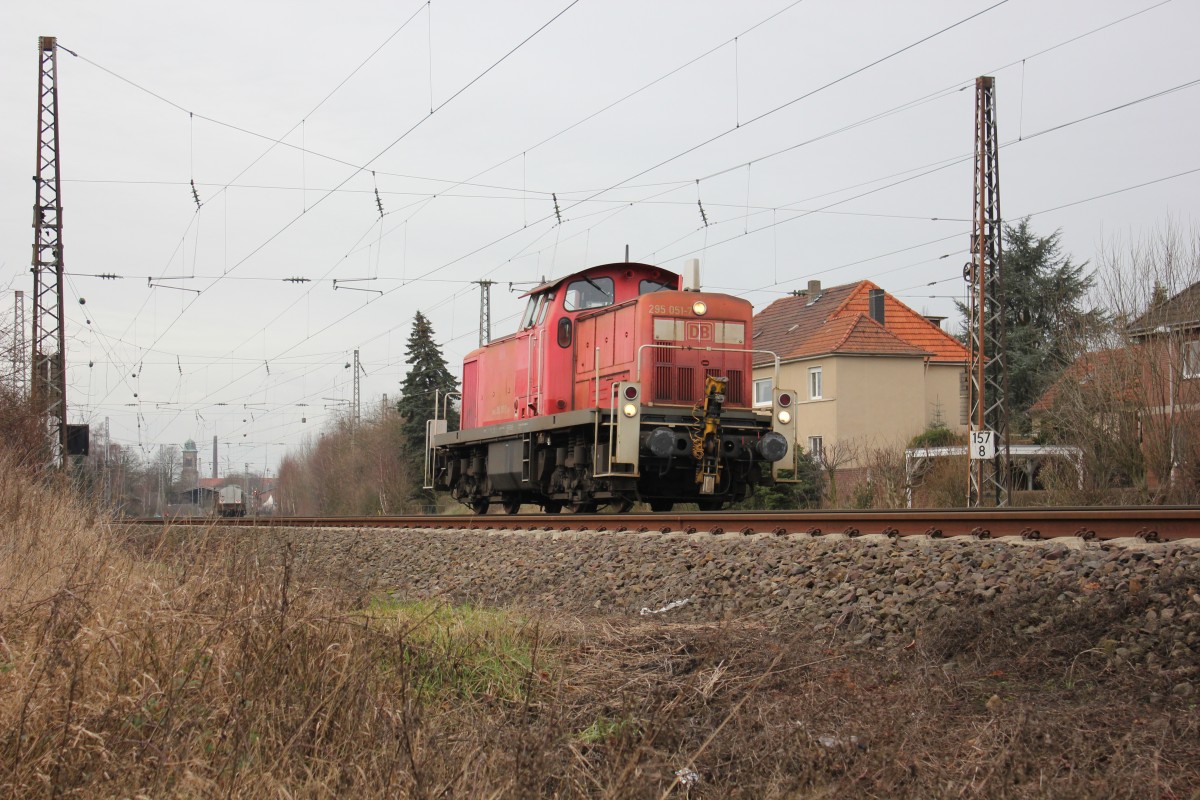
point(907, 324)
point(837, 320)
point(1180, 311)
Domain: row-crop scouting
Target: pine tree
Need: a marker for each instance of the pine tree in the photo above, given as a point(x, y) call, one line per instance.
point(1043, 315)
point(427, 376)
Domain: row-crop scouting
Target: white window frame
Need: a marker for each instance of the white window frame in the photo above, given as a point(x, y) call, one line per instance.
point(816, 448)
point(766, 397)
point(815, 381)
point(1191, 359)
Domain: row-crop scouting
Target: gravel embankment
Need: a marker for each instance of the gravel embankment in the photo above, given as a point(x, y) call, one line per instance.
point(1129, 605)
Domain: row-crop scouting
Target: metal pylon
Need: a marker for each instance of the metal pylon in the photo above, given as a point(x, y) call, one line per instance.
point(485, 311)
point(987, 371)
point(48, 380)
point(356, 407)
point(20, 352)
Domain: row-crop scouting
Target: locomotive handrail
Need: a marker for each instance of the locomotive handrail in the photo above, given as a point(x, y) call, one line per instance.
point(638, 373)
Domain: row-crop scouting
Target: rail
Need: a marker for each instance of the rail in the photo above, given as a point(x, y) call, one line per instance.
point(1151, 524)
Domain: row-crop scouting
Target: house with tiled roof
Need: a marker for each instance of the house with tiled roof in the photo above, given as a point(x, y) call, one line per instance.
point(870, 372)
point(1143, 397)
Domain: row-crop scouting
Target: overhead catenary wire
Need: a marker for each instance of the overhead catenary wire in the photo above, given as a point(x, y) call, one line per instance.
point(774, 212)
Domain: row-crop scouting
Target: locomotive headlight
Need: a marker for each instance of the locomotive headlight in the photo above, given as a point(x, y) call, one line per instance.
point(785, 417)
point(699, 308)
point(629, 410)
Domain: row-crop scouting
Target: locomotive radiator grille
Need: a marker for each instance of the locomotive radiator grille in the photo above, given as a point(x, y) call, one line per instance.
point(663, 373)
point(687, 384)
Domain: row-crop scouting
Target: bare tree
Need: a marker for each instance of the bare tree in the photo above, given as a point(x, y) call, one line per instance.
point(1131, 401)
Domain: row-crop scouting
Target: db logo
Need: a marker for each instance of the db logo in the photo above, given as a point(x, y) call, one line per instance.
point(700, 331)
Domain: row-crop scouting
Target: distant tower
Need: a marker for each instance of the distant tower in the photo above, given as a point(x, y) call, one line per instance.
point(20, 355)
point(190, 474)
point(356, 408)
point(485, 310)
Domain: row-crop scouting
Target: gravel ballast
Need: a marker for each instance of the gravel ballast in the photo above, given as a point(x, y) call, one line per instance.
point(1129, 604)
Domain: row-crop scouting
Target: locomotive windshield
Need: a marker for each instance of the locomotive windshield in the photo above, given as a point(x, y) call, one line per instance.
point(535, 310)
point(589, 293)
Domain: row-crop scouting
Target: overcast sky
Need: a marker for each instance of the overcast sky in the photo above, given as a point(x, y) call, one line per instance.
point(291, 117)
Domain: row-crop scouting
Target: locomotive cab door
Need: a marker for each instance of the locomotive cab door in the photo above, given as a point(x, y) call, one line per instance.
point(531, 365)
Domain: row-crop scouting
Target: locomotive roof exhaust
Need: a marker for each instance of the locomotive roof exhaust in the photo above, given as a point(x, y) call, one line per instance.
point(691, 275)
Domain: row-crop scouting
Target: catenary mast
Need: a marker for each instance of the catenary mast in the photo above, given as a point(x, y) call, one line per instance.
point(987, 373)
point(48, 384)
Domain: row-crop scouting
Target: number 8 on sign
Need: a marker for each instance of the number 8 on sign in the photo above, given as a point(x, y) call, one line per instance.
point(983, 445)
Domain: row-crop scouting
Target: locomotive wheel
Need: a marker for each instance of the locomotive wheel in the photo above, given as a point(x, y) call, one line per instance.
point(553, 506)
point(661, 505)
point(479, 505)
point(511, 505)
point(584, 507)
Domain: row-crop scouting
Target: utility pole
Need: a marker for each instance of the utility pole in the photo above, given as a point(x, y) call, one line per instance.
point(485, 311)
point(48, 380)
point(987, 373)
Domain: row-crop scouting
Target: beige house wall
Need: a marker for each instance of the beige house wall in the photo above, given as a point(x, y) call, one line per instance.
point(883, 405)
point(814, 417)
point(944, 387)
point(869, 401)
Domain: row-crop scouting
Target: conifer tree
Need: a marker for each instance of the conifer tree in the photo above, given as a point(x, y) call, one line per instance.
point(1044, 316)
point(427, 377)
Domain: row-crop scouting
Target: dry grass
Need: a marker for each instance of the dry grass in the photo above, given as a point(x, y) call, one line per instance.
point(173, 666)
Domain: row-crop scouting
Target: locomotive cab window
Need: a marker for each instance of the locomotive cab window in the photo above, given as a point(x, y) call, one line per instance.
point(536, 303)
point(589, 293)
point(541, 312)
point(649, 287)
point(564, 332)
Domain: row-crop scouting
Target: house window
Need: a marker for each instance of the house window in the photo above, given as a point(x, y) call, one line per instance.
point(1191, 359)
point(762, 391)
point(814, 383)
point(816, 448)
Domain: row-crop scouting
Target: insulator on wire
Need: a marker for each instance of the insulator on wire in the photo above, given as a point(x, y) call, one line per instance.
point(195, 194)
point(378, 200)
point(557, 212)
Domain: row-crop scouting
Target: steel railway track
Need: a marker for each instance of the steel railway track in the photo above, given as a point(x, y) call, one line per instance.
point(1151, 524)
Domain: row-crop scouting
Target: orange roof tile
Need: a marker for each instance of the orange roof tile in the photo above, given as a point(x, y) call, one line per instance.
point(907, 324)
point(858, 334)
point(837, 319)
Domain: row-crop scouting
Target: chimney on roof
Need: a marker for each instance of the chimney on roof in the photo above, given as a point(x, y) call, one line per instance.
point(875, 304)
point(691, 275)
point(814, 287)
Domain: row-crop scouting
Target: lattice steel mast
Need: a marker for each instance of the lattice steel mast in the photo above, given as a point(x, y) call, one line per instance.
point(48, 384)
point(987, 371)
point(20, 352)
point(485, 311)
point(356, 408)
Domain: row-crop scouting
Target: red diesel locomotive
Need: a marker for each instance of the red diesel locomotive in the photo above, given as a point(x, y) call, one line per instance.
point(618, 386)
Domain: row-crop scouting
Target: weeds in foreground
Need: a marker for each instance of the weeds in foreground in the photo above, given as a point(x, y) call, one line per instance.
point(195, 665)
